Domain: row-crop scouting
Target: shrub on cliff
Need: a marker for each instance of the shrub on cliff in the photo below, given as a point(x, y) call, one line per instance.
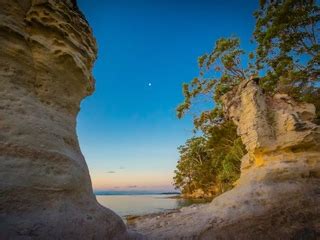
point(210, 162)
point(287, 34)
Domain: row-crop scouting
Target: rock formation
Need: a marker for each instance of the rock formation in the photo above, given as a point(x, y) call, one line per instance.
point(278, 193)
point(47, 53)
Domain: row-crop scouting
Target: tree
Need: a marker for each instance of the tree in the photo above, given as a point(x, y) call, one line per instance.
point(288, 51)
point(220, 71)
point(193, 170)
point(226, 150)
point(210, 162)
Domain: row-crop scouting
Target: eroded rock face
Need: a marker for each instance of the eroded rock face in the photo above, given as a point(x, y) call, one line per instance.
point(276, 130)
point(47, 53)
point(278, 193)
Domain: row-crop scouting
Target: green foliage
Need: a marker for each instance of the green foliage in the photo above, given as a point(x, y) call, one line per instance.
point(210, 162)
point(220, 71)
point(192, 168)
point(288, 50)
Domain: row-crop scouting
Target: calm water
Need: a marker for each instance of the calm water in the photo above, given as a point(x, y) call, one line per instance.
point(141, 204)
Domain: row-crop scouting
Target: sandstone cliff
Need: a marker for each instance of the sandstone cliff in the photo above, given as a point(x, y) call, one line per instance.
point(47, 53)
point(278, 193)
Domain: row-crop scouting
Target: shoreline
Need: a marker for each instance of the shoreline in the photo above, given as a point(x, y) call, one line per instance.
point(181, 196)
point(132, 219)
point(142, 223)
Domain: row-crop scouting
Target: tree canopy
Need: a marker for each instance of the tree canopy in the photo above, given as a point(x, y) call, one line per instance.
point(288, 48)
point(210, 162)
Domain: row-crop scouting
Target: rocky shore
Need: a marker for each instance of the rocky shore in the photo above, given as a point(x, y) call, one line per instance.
point(160, 219)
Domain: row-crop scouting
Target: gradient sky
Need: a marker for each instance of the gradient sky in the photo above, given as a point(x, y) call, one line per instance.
point(128, 130)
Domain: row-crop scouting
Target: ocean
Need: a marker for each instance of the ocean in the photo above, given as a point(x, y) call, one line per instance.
point(140, 203)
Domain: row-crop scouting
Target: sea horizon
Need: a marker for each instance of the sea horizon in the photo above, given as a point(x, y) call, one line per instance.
point(138, 203)
point(134, 192)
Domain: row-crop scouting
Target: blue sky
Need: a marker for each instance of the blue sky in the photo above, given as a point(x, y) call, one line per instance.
point(128, 130)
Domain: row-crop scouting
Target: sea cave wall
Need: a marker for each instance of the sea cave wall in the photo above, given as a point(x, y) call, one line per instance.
point(47, 54)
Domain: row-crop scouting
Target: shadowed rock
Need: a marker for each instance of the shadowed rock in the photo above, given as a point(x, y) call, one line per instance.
point(47, 53)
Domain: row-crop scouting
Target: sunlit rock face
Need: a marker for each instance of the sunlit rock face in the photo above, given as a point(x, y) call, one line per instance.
point(47, 53)
point(278, 193)
point(278, 132)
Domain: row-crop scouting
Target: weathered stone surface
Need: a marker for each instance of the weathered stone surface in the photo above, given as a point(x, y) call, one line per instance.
point(47, 52)
point(278, 193)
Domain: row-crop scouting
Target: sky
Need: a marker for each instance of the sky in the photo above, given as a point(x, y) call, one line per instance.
point(128, 129)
